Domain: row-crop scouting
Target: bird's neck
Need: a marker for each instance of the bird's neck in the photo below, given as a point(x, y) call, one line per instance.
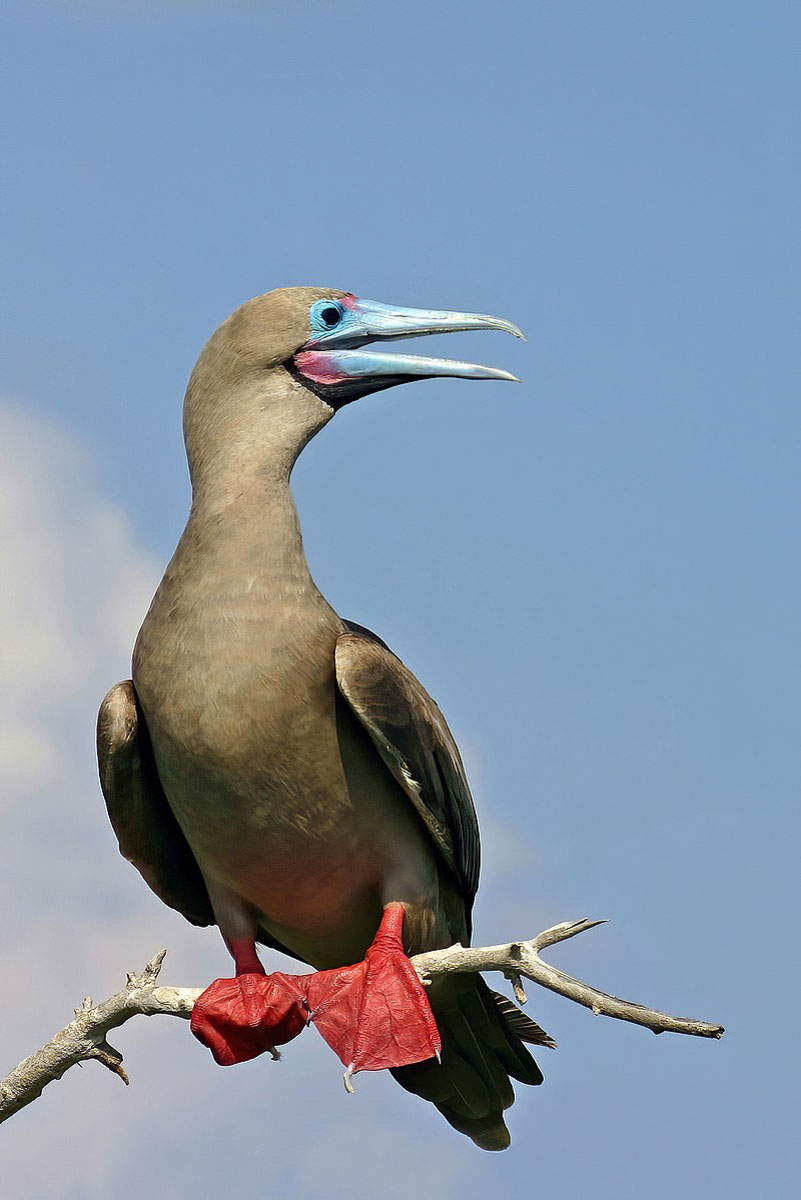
point(242, 443)
point(247, 534)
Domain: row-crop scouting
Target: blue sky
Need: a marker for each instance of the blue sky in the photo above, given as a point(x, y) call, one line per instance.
point(596, 573)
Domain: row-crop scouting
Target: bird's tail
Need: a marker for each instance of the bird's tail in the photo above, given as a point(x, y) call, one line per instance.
point(482, 1047)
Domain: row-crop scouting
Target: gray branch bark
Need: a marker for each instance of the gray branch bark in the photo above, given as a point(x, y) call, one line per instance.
point(517, 959)
point(85, 1038)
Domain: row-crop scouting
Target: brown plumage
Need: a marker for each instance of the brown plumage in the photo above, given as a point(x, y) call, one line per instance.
point(273, 768)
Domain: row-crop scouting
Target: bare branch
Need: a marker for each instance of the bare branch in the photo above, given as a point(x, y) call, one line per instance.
point(522, 958)
point(85, 1038)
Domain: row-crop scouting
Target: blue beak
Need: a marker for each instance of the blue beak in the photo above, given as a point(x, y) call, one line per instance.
point(365, 321)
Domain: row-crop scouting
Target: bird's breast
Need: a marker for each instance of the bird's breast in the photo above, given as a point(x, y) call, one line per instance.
point(239, 695)
point(274, 782)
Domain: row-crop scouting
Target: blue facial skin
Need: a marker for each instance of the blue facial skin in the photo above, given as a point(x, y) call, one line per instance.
point(361, 321)
point(325, 316)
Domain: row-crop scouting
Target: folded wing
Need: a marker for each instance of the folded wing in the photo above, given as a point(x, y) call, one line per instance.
point(148, 834)
point(412, 737)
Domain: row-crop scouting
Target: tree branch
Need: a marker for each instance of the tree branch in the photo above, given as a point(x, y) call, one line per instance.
point(522, 958)
point(85, 1038)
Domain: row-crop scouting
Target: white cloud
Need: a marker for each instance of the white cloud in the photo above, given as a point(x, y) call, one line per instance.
point(75, 586)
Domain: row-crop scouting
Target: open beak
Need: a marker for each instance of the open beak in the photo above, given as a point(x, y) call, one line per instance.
point(332, 362)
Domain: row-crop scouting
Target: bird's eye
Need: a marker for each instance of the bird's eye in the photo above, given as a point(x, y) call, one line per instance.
point(330, 316)
point(325, 315)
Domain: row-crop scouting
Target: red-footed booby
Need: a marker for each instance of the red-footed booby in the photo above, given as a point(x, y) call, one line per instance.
point(277, 770)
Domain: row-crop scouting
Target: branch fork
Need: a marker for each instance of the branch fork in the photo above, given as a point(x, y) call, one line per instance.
point(85, 1038)
point(522, 959)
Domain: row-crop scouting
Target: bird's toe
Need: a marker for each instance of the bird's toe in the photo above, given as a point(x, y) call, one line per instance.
point(238, 1019)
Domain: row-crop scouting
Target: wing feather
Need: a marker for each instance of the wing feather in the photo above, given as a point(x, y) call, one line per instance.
point(148, 834)
point(413, 738)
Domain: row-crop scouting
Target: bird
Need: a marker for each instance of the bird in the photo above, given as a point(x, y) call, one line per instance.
point(275, 769)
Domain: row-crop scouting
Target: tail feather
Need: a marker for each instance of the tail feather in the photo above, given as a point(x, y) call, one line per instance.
point(482, 1058)
point(482, 1046)
point(488, 1133)
point(526, 1029)
point(464, 1090)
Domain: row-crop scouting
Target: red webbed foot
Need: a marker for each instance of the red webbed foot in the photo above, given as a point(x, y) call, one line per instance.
point(376, 1014)
point(240, 1018)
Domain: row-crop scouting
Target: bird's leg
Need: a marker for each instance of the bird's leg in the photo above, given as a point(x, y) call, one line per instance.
point(246, 960)
point(376, 1014)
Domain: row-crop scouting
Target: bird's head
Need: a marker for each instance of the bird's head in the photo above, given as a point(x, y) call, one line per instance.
point(284, 363)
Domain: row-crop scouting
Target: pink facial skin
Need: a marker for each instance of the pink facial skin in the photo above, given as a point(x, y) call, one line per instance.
point(349, 301)
point(317, 366)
